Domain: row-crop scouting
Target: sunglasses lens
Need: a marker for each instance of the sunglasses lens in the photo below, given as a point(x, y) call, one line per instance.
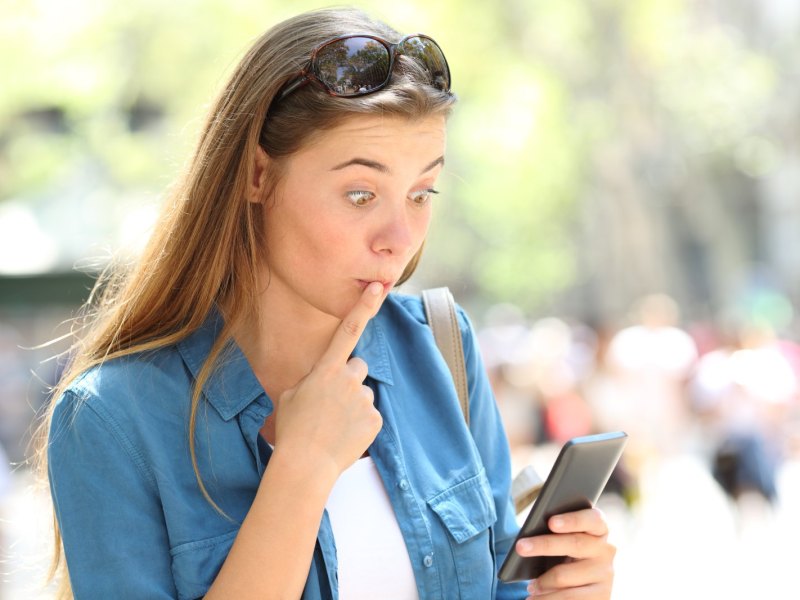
point(427, 52)
point(353, 66)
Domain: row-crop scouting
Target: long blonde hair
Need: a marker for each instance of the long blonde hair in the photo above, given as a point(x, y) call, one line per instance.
point(206, 247)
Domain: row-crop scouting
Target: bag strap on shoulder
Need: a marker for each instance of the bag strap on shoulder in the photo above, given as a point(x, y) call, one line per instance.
point(440, 310)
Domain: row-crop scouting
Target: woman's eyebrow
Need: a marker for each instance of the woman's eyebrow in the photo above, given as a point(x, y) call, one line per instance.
point(380, 167)
point(364, 162)
point(436, 163)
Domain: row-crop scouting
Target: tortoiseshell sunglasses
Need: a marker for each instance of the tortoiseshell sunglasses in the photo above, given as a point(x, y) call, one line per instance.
point(360, 64)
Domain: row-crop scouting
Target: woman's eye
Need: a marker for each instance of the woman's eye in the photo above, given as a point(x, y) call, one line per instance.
point(360, 197)
point(423, 196)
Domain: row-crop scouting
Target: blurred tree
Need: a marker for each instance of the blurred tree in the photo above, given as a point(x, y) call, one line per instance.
point(600, 150)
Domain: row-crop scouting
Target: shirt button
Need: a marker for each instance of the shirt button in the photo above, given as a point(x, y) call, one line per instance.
point(428, 560)
point(403, 484)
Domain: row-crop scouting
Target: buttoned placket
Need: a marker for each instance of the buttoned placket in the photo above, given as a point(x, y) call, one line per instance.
point(385, 452)
point(413, 525)
point(374, 349)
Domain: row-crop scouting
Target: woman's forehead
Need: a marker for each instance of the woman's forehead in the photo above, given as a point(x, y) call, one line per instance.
point(382, 134)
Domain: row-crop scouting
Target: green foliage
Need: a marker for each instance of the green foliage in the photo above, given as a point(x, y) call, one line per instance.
point(549, 90)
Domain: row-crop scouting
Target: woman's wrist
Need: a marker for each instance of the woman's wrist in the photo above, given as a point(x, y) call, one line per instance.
point(304, 469)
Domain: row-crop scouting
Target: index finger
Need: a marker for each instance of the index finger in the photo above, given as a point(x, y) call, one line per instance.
point(346, 336)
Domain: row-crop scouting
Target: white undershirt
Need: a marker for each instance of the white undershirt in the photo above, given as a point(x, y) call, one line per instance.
point(372, 556)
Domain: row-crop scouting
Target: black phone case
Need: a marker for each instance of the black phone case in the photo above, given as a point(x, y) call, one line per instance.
point(575, 482)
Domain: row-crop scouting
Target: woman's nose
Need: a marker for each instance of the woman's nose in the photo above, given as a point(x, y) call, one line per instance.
point(395, 234)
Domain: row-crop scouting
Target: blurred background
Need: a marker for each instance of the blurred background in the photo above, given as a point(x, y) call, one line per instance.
point(619, 216)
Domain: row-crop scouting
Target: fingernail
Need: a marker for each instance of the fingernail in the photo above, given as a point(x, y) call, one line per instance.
point(375, 288)
point(557, 523)
point(534, 589)
point(524, 546)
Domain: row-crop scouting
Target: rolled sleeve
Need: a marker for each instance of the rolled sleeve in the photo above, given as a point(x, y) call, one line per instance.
point(107, 506)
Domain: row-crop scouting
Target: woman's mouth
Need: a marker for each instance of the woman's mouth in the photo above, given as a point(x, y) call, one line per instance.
point(387, 285)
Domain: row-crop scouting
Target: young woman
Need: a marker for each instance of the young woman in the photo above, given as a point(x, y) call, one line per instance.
point(250, 413)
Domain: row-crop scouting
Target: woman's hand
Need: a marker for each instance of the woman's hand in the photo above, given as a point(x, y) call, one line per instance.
point(322, 425)
point(588, 572)
point(329, 416)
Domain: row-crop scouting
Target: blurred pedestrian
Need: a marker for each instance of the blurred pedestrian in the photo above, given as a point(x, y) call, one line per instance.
point(651, 362)
point(744, 391)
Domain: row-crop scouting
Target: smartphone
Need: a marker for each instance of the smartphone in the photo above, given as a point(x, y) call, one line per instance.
point(575, 482)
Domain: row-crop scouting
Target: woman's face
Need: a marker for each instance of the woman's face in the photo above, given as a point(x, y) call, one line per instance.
point(352, 207)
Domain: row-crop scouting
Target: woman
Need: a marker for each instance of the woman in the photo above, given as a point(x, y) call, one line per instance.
point(251, 413)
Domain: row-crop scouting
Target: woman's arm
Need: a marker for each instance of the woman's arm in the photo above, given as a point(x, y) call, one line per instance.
point(108, 502)
point(487, 430)
point(323, 425)
point(272, 552)
point(581, 535)
point(107, 505)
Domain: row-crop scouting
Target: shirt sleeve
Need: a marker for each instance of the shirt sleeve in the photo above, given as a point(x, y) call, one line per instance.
point(107, 507)
point(490, 437)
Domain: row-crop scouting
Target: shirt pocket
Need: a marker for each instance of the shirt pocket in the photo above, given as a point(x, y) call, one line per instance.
point(195, 564)
point(468, 513)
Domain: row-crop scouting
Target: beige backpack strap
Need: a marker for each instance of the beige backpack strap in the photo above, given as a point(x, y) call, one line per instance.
point(440, 310)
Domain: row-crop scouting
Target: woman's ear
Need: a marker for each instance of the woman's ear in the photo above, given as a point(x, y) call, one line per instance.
point(257, 186)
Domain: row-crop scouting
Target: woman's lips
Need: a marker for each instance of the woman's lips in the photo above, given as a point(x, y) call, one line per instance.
point(387, 285)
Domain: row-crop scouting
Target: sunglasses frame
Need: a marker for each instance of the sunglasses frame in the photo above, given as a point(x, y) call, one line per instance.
point(309, 73)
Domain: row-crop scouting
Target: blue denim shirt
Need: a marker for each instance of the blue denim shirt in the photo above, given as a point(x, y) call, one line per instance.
point(135, 525)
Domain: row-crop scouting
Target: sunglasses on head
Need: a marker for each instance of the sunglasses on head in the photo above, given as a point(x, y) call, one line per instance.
point(359, 64)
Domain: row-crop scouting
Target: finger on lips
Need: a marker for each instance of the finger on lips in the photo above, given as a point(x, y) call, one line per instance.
point(346, 337)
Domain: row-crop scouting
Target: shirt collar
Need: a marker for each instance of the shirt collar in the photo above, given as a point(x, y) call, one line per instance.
point(233, 385)
point(373, 349)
